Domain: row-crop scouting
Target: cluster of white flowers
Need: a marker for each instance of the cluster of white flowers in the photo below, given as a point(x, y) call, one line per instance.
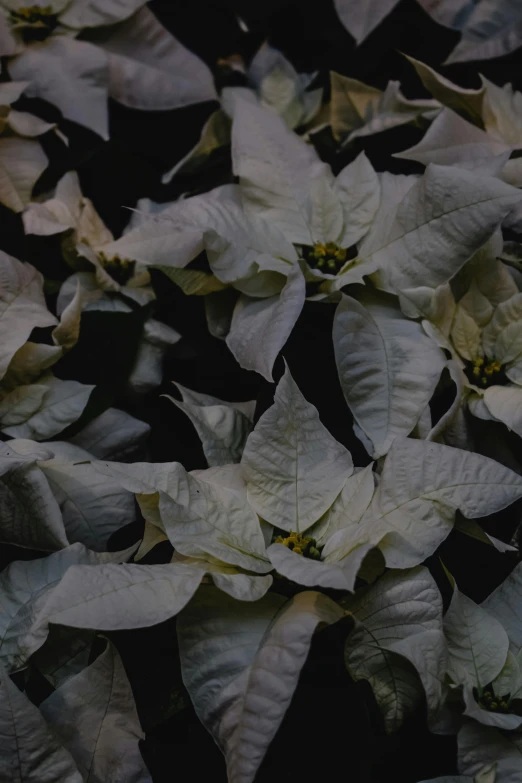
point(281, 535)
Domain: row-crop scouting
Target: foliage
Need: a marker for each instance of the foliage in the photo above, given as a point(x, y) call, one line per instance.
point(339, 449)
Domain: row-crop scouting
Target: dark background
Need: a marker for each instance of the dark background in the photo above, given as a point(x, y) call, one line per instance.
point(332, 729)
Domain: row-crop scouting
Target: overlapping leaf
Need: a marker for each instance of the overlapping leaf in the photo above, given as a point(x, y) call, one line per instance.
point(293, 467)
point(397, 643)
point(242, 693)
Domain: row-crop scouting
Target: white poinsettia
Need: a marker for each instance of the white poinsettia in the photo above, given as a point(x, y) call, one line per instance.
point(274, 83)
point(235, 657)
point(477, 129)
point(22, 159)
point(81, 592)
point(484, 644)
point(213, 516)
point(124, 52)
point(84, 238)
point(301, 482)
point(84, 235)
point(283, 181)
point(34, 403)
point(288, 206)
point(295, 510)
point(483, 331)
point(289, 213)
point(395, 644)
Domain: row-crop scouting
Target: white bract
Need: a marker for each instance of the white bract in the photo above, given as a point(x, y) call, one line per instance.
point(241, 664)
point(33, 403)
point(465, 101)
point(398, 639)
point(388, 367)
point(421, 487)
point(95, 718)
point(124, 52)
point(293, 467)
point(93, 507)
point(72, 501)
point(360, 20)
point(357, 109)
point(30, 750)
point(111, 597)
point(222, 427)
point(24, 589)
point(428, 227)
point(480, 747)
point(488, 29)
point(114, 435)
point(22, 159)
point(205, 520)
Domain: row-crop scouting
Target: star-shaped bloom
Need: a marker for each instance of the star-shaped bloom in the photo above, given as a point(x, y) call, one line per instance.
point(483, 332)
point(106, 279)
point(123, 52)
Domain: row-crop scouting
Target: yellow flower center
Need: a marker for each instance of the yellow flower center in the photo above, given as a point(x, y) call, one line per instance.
point(120, 269)
point(488, 701)
point(35, 22)
point(486, 373)
point(327, 257)
point(301, 545)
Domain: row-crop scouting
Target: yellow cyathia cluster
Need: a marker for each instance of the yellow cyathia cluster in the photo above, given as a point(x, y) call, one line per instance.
point(492, 703)
point(36, 22)
point(32, 14)
point(120, 269)
point(328, 258)
point(301, 545)
point(485, 372)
